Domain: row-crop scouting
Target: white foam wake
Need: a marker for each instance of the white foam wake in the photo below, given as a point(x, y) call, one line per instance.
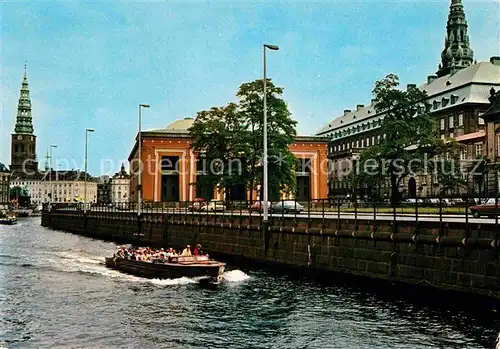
point(498, 342)
point(170, 282)
point(235, 276)
point(74, 262)
point(80, 258)
point(84, 263)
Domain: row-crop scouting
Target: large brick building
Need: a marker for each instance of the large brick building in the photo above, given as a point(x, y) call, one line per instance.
point(457, 96)
point(171, 170)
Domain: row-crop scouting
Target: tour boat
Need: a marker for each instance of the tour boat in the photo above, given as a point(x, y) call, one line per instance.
point(176, 267)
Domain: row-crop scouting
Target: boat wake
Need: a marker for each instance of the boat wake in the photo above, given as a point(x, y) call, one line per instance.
point(235, 276)
point(89, 264)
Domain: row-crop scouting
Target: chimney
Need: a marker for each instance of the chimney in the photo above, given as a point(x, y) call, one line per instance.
point(495, 60)
point(347, 111)
point(431, 78)
point(410, 86)
point(359, 106)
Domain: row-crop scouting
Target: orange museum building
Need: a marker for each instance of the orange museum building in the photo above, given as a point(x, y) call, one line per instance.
point(170, 167)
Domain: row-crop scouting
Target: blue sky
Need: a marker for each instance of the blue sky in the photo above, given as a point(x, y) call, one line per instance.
point(91, 63)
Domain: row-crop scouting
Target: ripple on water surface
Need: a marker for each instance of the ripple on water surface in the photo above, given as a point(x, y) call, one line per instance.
point(55, 292)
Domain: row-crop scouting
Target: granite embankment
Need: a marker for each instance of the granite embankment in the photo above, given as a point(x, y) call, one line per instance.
point(447, 256)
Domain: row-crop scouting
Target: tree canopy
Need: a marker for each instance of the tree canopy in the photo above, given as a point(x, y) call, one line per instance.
point(231, 139)
point(410, 144)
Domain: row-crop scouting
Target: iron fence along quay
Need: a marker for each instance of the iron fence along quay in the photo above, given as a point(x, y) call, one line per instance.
point(435, 209)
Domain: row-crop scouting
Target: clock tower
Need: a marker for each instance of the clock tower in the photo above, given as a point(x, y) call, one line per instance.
point(23, 150)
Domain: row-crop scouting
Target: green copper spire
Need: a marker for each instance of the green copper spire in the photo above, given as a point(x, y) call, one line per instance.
point(457, 53)
point(24, 122)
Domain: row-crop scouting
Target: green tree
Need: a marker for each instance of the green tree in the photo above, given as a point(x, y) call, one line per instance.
point(281, 133)
point(218, 138)
point(411, 138)
point(232, 136)
point(447, 168)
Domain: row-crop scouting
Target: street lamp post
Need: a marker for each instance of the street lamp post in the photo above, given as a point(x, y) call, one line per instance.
point(265, 179)
point(50, 174)
point(139, 181)
point(85, 182)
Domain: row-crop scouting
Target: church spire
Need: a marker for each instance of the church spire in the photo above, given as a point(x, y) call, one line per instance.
point(24, 121)
point(457, 53)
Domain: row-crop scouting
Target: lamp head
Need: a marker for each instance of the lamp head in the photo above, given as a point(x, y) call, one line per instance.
point(90, 130)
point(272, 47)
point(144, 105)
point(53, 146)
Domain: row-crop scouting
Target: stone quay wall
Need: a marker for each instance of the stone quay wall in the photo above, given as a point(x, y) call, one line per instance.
point(446, 256)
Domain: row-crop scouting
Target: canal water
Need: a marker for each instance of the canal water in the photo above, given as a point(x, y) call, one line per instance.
point(55, 292)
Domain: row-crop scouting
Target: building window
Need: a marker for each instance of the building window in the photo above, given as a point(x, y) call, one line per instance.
point(368, 142)
point(479, 149)
point(460, 119)
point(480, 120)
point(452, 135)
point(442, 137)
point(451, 120)
point(442, 124)
point(454, 99)
point(373, 140)
point(357, 143)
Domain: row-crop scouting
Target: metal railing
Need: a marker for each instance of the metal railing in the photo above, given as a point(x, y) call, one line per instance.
point(459, 209)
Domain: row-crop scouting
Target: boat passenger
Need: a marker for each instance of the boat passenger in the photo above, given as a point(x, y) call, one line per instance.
point(198, 251)
point(186, 251)
point(170, 252)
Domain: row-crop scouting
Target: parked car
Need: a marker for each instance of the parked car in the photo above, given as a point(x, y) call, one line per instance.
point(258, 207)
point(213, 206)
point(487, 209)
point(287, 206)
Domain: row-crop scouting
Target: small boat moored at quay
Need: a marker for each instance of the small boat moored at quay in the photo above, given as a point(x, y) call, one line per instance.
point(171, 268)
point(11, 220)
point(7, 218)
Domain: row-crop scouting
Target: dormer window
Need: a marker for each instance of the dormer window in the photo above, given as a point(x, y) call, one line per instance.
point(444, 101)
point(435, 105)
point(454, 99)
